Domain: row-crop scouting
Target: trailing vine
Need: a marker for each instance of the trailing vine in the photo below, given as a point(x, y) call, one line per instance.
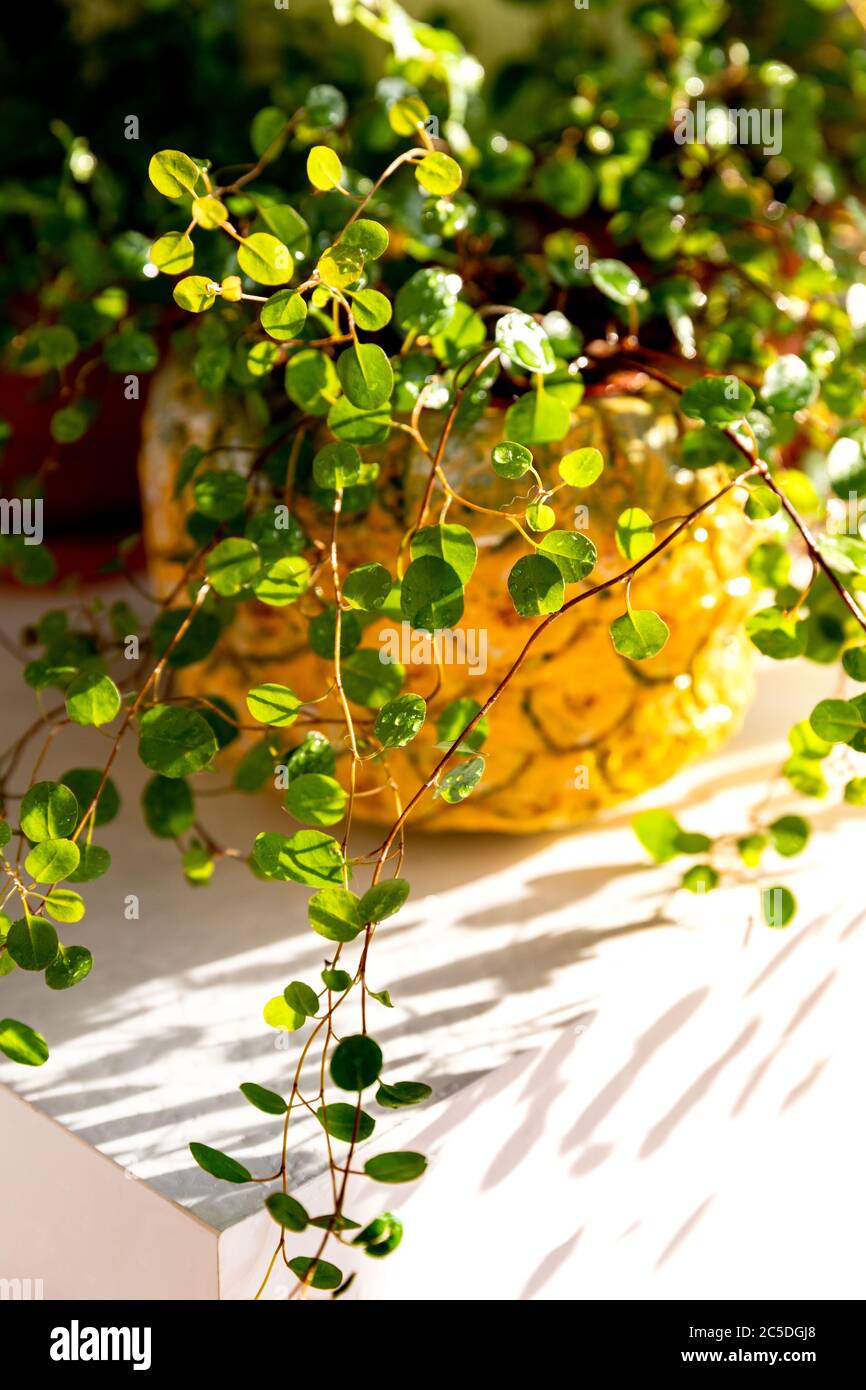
point(450, 347)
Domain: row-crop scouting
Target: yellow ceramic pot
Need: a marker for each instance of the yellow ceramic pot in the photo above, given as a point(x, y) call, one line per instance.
point(579, 728)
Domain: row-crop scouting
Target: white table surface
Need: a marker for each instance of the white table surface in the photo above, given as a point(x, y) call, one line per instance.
point(503, 942)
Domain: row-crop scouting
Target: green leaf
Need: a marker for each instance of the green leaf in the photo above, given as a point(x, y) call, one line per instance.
point(198, 641)
point(316, 799)
point(639, 634)
point(617, 281)
point(277, 1013)
point(338, 980)
point(431, 596)
point(345, 1123)
point(168, 807)
point(635, 536)
point(769, 565)
point(335, 913)
point(790, 835)
point(366, 375)
point(369, 237)
point(367, 587)
point(220, 494)
point(95, 861)
point(52, 860)
point(701, 878)
point(844, 554)
point(778, 906)
point(540, 517)
point(308, 856)
point(369, 681)
point(370, 309)
point(399, 1094)
point(453, 721)
point(287, 1212)
point(219, 1165)
point(439, 174)
point(581, 467)
point(855, 791)
point(22, 1044)
point(836, 721)
point(266, 127)
point(751, 848)
point(356, 1063)
point(208, 212)
point(262, 1099)
point(324, 169)
point(789, 384)
point(265, 259)
point(233, 565)
point(717, 400)
point(32, 942)
point(274, 705)
point(383, 900)
point(311, 381)
point(49, 811)
point(284, 315)
point(340, 266)
point(778, 635)
point(337, 466)
point(70, 966)
point(573, 553)
point(407, 115)
point(318, 1274)
point(525, 343)
point(64, 905)
point(172, 173)
point(195, 293)
point(453, 544)
point(510, 460)
point(301, 998)
point(427, 301)
point(663, 838)
point(536, 586)
point(537, 418)
point(172, 253)
point(461, 781)
point(57, 345)
point(84, 782)
point(854, 662)
point(92, 699)
point(283, 582)
point(400, 720)
point(322, 633)
point(175, 741)
point(762, 502)
point(396, 1167)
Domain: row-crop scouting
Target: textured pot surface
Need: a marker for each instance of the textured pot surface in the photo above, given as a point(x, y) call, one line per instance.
point(579, 728)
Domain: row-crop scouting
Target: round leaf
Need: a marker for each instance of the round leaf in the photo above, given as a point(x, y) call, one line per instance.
point(639, 634)
point(49, 811)
point(175, 741)
point(92, 699)
point(275, 705)
point(356, 1063)
point(32, 942)
point(536, 586)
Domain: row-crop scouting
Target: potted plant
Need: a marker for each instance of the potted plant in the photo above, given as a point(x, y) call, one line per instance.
point(474, 473)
